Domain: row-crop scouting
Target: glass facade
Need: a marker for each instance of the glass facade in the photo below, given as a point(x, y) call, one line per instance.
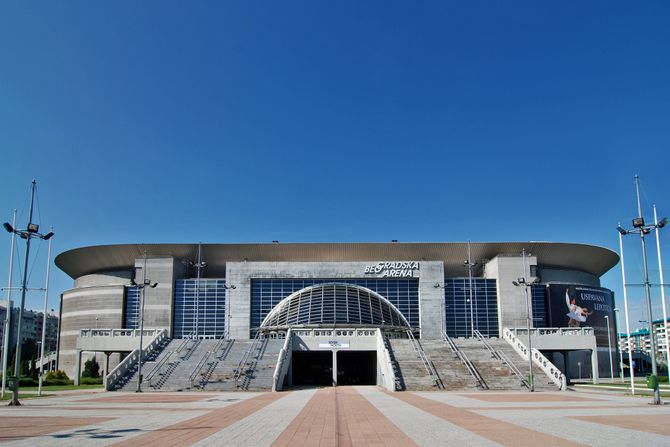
point(335, 303)
point(538, 294)
point(199, 311)
point(131, 308)
point(267, 293)
point(484, 307)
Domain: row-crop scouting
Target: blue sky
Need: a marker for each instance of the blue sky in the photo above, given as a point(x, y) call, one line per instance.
point(334, 121)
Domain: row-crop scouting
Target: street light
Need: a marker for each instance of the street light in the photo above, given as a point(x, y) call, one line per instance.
point(522, 282)
point(618, 345)
point(145, 283)
point(199, 265)
point(641, 228)
point(470, 265)
point(609, 346)
point(31, 231)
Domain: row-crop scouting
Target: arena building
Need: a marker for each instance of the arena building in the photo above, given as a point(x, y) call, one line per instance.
point(328, 293)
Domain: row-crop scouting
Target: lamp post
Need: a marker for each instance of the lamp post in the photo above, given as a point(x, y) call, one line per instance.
point(618, 345)
point(442, 308)
point(470, 265)
point(639, 227)
point(145, 283)
point(228, 287)
point(522, 282)
point(31, 231)
point(199, 265)
point(609, 346)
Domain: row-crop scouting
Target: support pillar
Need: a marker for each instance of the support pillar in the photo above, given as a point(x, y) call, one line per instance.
point(334, 367)
point(105, 370)
point(594, 366)
point(77, 369)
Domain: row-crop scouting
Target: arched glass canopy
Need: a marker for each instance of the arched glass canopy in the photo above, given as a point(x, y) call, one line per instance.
point(335, 304)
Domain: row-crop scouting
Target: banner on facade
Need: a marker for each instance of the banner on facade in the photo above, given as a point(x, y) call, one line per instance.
point(576, 306)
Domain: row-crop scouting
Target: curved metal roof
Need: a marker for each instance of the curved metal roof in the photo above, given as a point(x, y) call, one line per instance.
point(587, 258)
point(334, 304)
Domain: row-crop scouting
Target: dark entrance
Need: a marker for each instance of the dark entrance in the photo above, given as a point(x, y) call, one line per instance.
point(356, 367)
point(312, 367)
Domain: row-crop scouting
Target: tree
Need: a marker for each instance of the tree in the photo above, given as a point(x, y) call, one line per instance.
point(91, 368)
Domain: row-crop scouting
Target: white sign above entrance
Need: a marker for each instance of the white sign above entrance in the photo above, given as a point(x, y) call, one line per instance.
point(395, 269)
point(334, 344)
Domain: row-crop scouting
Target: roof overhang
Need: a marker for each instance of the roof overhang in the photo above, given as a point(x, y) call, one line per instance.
point(105, 258)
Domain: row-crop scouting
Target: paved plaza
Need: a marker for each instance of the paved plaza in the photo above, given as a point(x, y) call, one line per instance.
point(346, 416)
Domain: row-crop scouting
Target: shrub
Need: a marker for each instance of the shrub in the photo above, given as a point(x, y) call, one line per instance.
point(91, 381)
point(27, 381)
point(91, 368)
point(57, 378)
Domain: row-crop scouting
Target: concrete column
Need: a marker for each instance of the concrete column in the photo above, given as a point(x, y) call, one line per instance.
point(105, 370)
point(594, 366)
point(77, 369)
point(335, 367)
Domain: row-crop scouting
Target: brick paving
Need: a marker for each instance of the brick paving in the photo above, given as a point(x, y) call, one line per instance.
point(343, 416)
point(18, 427)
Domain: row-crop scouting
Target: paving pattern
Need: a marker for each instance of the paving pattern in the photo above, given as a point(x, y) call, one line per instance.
point(342, 416)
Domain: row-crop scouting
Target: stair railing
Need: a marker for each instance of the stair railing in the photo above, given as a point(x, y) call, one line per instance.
point(427, 363)
point(538, 359)
point(199, 367)
point(466, 361)
point(158, 367)
point(245, 358)
point(503, 358)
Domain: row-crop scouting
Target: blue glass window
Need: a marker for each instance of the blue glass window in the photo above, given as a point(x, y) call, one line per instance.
point(131, 308)
point(199, 311)
point(458, 311)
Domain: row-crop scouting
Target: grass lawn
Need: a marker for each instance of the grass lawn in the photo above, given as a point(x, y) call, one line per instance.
point(59, 388)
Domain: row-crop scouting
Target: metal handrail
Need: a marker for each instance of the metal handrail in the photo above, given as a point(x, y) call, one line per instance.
point(245, 358)
point(427, 363)
point(199, 367)
point(466, 361)
point(157, 367)
point(184, 342)
point(503, 358)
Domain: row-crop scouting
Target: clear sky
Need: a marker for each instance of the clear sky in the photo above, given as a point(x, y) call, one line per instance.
point(334, 121)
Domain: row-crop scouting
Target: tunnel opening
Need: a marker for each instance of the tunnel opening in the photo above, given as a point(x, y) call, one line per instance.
point(312, 368)
point(356, 367)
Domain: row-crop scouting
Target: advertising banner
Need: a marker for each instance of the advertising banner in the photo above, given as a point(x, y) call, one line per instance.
point(582, 306)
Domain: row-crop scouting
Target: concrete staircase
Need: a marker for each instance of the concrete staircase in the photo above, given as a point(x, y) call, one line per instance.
point(208, 365)
point(542, 382)
point(411, 374)
point(452, 371)
point(257, 374)
point(496, 374)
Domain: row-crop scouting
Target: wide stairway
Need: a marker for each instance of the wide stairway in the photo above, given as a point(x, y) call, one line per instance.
point(213, 365)
point(495, 374)
point(452, 371)
point(410, 367)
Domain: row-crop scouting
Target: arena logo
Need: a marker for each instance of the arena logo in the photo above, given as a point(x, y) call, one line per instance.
point(397, 269)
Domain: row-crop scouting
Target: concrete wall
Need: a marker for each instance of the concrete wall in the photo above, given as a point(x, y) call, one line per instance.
point(81, 307)
point(118, 278)
point(512, 301)
point(240, 275)
point(568, 276)
point(158, 301)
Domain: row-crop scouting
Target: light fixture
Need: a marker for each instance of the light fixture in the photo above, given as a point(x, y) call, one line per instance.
point(8, 227)
point(638, 222)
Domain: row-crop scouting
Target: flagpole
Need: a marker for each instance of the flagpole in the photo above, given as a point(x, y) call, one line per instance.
point(8, 316)
point(625, 305)
point(665, 312)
